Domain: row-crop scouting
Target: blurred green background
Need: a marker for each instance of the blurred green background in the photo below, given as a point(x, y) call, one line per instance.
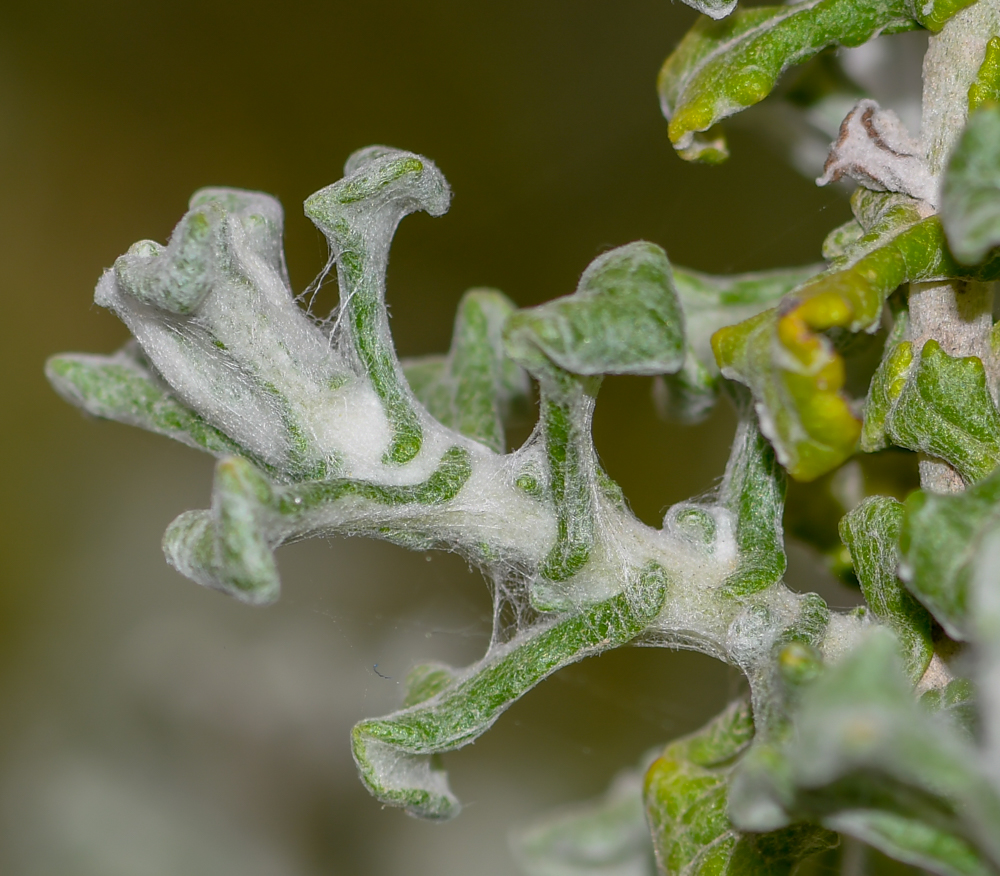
point(151, 727)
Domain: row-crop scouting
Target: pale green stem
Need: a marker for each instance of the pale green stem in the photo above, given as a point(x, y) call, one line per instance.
point(950, 66)
point(957, 314)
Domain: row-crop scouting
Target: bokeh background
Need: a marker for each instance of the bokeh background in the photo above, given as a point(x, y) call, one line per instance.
point(152, 728)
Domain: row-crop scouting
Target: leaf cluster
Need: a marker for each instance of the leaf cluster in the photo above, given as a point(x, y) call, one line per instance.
point(881, 723)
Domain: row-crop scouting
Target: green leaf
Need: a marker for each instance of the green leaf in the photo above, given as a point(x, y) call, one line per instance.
point(780, 654)
point(741, 531)
point(572, 474)
point(426, 681)
point(944, 409)
point(913, 842)
point(753, 489)
point(881, 216)
point(573, 477)
point(970, 191)
point(217, 323)
point(794, 372)
point(800, 407)
point(934, 14)
point(603, 837)
point(842, 240)
point(985, 88)
point(358, 216)
point(624, 318)
point(686, 793)
point(121, 387)
point(887, 384)
point(393, 754)
point(179, 277)
point(721, 68)
point(867, 760)
point(710, 303)
point(476, 387)
point(940, 538)
point(230, 548)
point(871, 533)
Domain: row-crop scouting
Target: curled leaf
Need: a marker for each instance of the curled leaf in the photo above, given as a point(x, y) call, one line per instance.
point(754, 490)
point(886, 385)
point(573, 483)
point(687, 792)
point(871, 533)
point(794, 372)
point(867, 760)
point(121, 387)
point(800, 408)
point(985, 87)
point(393, 753)
point(939, 542)
point(941, 405)
point(215, 318)
point(839, 242)
point(721, 68)
point(230, 548)
point(228, 350)
point(624, 318)
point(358, 216)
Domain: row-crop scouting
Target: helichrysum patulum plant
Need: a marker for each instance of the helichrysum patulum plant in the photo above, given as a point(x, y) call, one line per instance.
point(882, 723)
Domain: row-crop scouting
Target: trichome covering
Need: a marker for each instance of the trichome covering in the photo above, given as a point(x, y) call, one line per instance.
point(859, 723)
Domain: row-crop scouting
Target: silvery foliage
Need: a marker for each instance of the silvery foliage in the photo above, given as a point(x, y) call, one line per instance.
point(861, 723)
